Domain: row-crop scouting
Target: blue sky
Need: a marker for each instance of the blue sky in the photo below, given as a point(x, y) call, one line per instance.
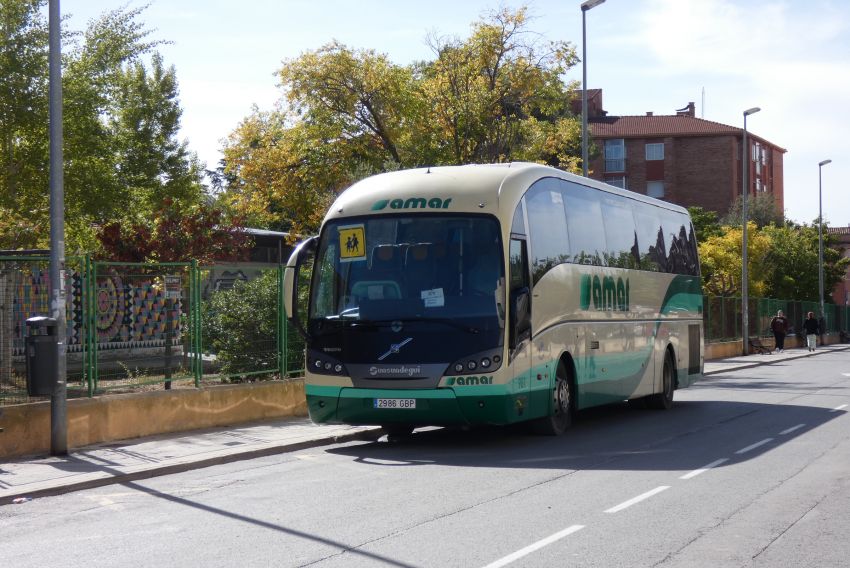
point(791, 58)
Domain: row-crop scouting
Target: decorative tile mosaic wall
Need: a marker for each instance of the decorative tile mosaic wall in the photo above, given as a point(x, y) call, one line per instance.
point(129, 312)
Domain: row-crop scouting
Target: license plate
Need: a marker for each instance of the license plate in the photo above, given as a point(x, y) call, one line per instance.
point(402, 403)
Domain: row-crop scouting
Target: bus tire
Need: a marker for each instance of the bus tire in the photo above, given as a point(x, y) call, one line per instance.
point(664, 399)
point(561, 416)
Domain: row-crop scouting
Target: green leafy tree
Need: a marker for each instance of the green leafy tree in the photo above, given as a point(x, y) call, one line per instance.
point(120, 124)
point(23, 122)
point(721, 262)
point(761, 209)
point(495, 96)
point(154, 164)
point(793, 257)
point(706, 223)
point(499, 95)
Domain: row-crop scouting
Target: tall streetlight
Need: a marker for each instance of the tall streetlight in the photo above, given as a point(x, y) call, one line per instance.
point(585, 6)
point(745, 166)
point(820, 239)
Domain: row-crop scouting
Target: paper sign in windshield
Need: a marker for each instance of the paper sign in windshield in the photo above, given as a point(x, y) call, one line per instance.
point(352, 243)
point(433, 298)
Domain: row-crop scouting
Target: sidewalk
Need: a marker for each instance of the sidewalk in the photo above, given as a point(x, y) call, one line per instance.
point(123, 461)
point(716, 366)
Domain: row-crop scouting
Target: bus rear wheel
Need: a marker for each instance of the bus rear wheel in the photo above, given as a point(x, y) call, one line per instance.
point(664, 399)
point(561, 416)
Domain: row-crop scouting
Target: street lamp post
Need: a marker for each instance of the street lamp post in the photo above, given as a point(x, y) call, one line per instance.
point(745, 166)
point(820, 240)
point(585, 6)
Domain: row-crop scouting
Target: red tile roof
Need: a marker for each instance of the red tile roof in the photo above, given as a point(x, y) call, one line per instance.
point(662, 125)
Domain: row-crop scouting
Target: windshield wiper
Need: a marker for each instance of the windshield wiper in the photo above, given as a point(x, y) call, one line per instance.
point(445, 321)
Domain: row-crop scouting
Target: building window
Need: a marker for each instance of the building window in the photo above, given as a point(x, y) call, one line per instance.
point(758, 186)
point(615, 155)
point(655, 189)
point(655, 151)
point(616, 181)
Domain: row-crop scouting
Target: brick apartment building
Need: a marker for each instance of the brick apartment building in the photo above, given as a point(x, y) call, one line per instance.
point(680, 158)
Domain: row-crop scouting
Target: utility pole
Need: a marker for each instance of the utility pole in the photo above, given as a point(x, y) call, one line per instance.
point(59, 399)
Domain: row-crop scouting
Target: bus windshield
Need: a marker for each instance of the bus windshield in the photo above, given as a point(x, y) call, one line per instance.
point(432, 268)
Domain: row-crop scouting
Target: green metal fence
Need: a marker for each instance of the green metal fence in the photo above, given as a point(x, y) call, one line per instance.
point(144, 326)
point(723, 322)
point(24, 292)
point(244, 334)
point(139, 332)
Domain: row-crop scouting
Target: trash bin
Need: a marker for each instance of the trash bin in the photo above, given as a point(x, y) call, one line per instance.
point(41, 355)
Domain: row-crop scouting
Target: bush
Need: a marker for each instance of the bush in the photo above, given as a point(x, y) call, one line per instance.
point(239, 325)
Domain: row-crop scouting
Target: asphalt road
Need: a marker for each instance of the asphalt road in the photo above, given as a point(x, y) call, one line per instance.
point(750, 468)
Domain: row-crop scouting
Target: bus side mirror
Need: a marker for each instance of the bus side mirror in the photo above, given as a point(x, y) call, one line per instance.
point(305, 251)
point(520, 315)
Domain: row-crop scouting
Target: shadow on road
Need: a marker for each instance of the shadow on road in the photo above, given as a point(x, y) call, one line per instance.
point(617, 437)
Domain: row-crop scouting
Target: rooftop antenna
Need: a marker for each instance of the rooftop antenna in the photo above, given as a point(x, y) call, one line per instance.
point(702, 115)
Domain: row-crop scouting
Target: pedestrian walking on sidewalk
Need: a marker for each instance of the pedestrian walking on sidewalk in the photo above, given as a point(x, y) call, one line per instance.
point(812, 328)
point(779, 327)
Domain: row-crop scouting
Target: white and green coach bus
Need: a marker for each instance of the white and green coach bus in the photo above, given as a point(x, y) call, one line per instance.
point(494, 294)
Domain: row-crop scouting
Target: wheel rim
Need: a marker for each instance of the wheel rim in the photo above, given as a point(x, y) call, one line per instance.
point(562, 397)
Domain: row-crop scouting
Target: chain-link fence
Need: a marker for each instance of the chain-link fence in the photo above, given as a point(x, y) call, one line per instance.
point(139, 326)
point(244, 333)
point(25, 291)
point(143, 326)
point(723, 321)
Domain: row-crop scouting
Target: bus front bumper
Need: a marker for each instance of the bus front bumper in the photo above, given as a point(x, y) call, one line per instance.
point(346, 405)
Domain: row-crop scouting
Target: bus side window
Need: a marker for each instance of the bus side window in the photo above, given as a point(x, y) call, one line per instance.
point(520, 293)
point(547, 226)
point(519, 264)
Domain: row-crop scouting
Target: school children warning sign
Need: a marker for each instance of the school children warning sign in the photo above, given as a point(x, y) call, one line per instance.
point(352, 243)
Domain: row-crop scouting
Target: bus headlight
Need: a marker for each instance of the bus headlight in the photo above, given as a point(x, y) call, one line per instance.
point(324, 364)
point(483, 361)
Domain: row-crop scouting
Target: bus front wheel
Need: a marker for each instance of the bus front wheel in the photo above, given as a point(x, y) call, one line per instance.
point(561, 417)
point(664, 399)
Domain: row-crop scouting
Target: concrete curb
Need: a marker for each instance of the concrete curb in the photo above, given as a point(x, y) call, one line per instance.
point(105, 477)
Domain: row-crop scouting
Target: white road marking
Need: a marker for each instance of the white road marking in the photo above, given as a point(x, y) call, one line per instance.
point(792, 429)
point(704, 468)
point(837, 408)
point(754, 446)
point(536, 546)
point(638, 499)
point(846, 374)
